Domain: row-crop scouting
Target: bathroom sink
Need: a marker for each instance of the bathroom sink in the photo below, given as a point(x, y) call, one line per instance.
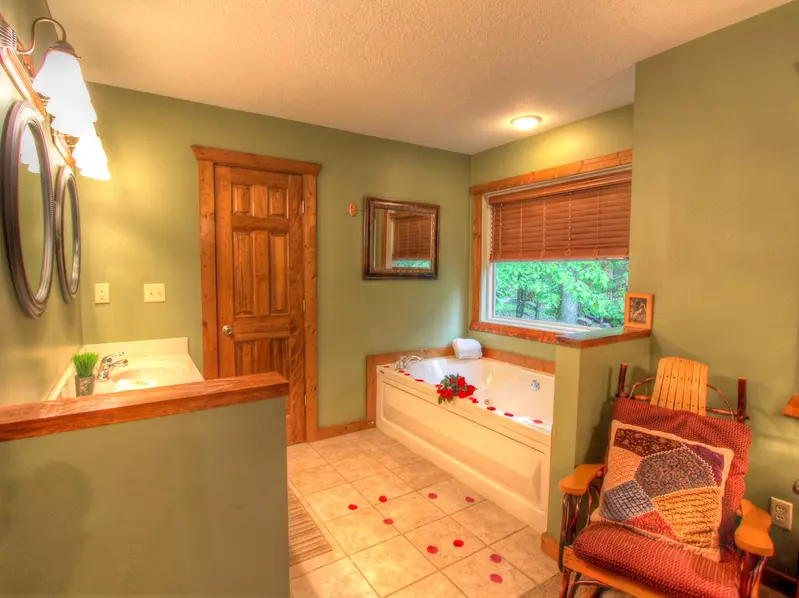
point(140, 374)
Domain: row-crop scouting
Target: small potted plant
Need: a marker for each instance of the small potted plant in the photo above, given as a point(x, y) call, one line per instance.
point(84, 373)
point(454, 385)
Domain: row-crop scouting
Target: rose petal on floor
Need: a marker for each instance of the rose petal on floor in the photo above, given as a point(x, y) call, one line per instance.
point(469, 499)
point(432, 495)
point(352, 507)
point(492, 408)
point(496, 558)
point(432, 549)
point(495, 577)
point(382, 499)
point(507, 414)
point(538, 421)
point(457, 543)
point(388, 521)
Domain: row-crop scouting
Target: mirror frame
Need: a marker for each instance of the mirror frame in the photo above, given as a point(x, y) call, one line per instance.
point(66, 189)
point(370, 204)
point(22, 115)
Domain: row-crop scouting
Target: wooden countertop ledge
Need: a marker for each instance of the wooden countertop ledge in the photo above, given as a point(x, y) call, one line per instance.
point(601, 336)
point(65, 415)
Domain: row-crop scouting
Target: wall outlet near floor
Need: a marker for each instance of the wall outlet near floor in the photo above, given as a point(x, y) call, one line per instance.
point(781, 513)
point(154, 293)
point(102, 293)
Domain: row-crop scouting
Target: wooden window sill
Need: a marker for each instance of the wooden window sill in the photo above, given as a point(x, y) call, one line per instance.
point(65, 415)
point(577, 340)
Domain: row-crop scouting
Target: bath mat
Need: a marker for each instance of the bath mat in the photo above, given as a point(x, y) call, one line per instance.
point(306, 540)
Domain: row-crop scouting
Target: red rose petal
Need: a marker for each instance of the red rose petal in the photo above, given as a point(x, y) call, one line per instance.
point(538, 421)
point(432, 549)
point(401, 371)
point(495, 577)
point(419, 380)
point(386, 366)
point(352, 507)
point(508, 414)
point(496, 558)
point(388, 521)
point(475, 401)
point(492, 408)
point(382, 499)
point(457, 543)
point(439, 385)
point(469, 499)
point(432, 495)
point(406, 374)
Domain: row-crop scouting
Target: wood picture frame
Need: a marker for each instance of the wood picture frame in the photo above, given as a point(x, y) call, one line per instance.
point(638, 310)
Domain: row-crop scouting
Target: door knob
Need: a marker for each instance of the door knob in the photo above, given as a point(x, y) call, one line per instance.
point(227, 330)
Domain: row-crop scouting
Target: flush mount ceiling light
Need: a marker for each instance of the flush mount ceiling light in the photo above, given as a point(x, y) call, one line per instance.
point(60, 82)
point(526, 122)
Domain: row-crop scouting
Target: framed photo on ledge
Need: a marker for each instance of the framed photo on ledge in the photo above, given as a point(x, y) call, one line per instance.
point(638, 310)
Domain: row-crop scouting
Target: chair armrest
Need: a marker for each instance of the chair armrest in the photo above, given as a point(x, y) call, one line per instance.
point(752, 534)
point(577, 483)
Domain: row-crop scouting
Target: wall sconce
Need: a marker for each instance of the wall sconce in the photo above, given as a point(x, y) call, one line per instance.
point(60, 90)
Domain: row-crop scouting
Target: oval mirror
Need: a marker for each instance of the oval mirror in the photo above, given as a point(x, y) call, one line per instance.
point(28, 207)
point(67, 232)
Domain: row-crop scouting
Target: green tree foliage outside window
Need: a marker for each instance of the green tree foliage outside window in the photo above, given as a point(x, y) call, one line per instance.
point(587, 293)
point(421, 264)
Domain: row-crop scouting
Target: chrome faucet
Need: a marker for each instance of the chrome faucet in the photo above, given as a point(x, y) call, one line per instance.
point(407, 360)
point(108, 365)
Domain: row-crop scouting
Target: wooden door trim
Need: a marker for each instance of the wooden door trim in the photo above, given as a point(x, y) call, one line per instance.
point(207, 160)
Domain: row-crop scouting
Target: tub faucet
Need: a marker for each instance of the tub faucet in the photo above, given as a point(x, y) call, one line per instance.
point(108, 365)
point(407, 360)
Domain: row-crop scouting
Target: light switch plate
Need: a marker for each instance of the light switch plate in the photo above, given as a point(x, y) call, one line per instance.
point(154, 293)
point(101, 293)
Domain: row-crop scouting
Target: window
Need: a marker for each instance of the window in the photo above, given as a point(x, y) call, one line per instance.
point(556, 254)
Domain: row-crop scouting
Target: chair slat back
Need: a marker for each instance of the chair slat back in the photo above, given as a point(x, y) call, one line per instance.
point(681, 384)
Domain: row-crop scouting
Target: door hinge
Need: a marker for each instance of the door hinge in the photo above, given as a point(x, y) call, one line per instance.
point(303, 306)
point(305, 400)
point(302, 206)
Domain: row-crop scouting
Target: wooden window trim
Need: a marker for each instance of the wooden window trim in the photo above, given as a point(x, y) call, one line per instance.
point(207, 159)
point(585, 339)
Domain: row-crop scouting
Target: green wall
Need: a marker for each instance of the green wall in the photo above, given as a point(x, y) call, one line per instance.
point(143, 226)
point(186, 505)
point(714, 224)
point(34, 351)
point(596, 136)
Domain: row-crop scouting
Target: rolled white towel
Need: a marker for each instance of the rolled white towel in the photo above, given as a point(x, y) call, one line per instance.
point(467, 348)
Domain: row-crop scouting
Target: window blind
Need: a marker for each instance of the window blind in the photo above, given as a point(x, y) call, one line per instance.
point(583, 220)
point(412, 238)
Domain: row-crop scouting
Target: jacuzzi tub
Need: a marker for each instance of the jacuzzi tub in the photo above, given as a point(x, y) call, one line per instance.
point(503, 453)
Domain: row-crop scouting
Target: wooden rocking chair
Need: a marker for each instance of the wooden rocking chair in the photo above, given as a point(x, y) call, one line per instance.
point(680, 385)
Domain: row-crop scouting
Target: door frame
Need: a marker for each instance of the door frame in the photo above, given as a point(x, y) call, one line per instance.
point(207, 160)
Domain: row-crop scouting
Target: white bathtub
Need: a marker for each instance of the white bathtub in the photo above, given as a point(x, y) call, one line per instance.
point(503, 453)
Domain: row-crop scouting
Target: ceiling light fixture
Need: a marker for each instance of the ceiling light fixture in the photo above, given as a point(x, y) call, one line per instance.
point(60, 80)
point(526, 122)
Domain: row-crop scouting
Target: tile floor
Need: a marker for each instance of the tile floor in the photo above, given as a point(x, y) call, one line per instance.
point(402, 527)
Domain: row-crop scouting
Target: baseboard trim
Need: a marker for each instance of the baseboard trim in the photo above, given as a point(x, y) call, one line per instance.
point(341, 429)
point(549, 546)
point(779, 581)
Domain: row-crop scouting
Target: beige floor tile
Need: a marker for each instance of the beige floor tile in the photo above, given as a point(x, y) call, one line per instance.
point(341, 578)
point(488, 522)
point(339, 448)
point(357, 468)
point(335, 502)
point(523, 550)
point(433, 586)
point(383, 484)
point(316, 479)
point(392, 565)
point(396, 456)
point(303, 456)
point(360, 529)
point(451, 495)
point(379, 441)
point(472, 575)
point(422, 474)
point(442, 534)
point(410, 511)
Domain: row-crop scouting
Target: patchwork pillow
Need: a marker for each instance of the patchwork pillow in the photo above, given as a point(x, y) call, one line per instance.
point(665, 486)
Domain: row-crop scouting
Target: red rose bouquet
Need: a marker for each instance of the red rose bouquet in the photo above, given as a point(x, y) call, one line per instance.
point(453, 386)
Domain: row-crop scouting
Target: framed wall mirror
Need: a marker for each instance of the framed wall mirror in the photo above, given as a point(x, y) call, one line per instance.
point(400, 239)
point(28, 207)
point(67, 233)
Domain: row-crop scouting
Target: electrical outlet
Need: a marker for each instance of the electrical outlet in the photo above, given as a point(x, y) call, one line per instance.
point(154, 293)
point(781, 513)
point(101, 293)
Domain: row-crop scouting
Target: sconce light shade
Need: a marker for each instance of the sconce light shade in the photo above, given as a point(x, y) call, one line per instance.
point(90, 157)
point(27, 152)
point(61, 80)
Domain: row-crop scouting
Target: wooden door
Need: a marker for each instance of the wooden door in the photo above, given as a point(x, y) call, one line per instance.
point(259, 255)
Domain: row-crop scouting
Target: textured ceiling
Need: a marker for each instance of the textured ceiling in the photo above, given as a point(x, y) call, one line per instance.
point(441, 73)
